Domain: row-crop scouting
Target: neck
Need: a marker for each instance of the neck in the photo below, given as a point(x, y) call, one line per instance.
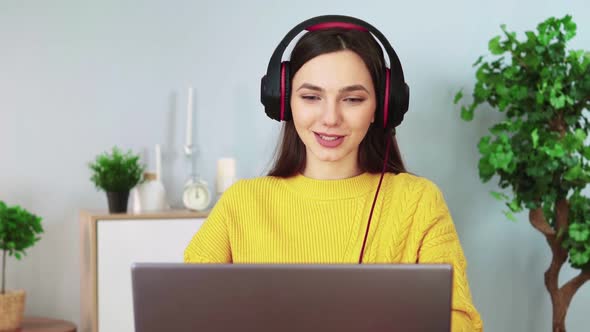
point(330, 170)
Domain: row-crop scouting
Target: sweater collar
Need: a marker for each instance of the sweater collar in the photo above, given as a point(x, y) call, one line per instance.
point(355, 186)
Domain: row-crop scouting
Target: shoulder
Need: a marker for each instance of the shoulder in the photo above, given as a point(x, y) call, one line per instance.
point(417, 194)
point(412, 185)
point(256, 183)
point(243, 188)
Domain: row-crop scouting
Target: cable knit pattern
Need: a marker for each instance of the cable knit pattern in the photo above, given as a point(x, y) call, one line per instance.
point(303, 220)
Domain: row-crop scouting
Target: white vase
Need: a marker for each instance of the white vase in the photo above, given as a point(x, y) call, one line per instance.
point(149, 196)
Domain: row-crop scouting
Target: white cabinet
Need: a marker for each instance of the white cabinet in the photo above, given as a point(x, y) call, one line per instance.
point(110, 243)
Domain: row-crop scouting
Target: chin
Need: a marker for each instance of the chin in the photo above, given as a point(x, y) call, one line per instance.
point(330, 159)
point(329, 156)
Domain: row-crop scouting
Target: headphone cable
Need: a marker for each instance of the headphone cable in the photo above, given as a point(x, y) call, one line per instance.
point(375, 198)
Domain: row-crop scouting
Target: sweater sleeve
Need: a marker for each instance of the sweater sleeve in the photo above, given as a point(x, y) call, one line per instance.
point(211, 243)
point(440, 244)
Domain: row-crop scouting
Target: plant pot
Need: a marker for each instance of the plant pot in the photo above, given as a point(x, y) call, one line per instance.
point(118, 201)
point(12, 308)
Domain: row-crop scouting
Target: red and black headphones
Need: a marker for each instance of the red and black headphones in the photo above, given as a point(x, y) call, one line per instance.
point(275, 87)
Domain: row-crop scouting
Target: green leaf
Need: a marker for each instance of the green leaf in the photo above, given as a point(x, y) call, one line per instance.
point(539, 98)
point(570, 27)
point(557, 102)
point(585, 61)
point(458, 97)
point(499, 196)
point(502, 90)
point(580, 258)
point(521, 92)
point(514, 206)
point(535, 137)
point(509, 215)
point(480, 92)
point(579, 232)
point(531, 36)
point(580, 135)
point(556, 151)
point(484, 146)
point(500, 128)
point(486, 170)
point(495, 47)
point(573, 142)
point(466, 113)
point(478, 61)
point(503, 104)
point(482, 73)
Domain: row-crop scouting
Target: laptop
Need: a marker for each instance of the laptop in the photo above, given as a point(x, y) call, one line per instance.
point(291, 297)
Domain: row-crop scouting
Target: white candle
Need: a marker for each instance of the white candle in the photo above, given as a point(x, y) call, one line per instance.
point(158, 163)
point(189, 118)
point(226, 174)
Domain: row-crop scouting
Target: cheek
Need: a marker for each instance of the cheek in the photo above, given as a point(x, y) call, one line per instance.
point(302, 117)
point(360, 121)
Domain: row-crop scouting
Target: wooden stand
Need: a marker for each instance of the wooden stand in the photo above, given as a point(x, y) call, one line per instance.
point(40, 324)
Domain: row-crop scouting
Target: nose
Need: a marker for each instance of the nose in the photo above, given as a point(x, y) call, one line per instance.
point(331, 115)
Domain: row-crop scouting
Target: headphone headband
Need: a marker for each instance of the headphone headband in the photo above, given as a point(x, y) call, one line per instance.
point(330, 25)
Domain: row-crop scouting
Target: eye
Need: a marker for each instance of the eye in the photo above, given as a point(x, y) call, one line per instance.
point(354, 100)
point(310, 97)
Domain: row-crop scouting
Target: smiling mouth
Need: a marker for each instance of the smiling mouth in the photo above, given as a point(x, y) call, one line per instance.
point(326, 137)
point(328, 141)
point(329, 138)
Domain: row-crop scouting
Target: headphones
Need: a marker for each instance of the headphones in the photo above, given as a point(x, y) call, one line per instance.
point(275, 87)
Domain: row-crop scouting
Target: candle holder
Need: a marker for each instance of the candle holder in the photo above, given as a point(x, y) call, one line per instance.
point(196, 194)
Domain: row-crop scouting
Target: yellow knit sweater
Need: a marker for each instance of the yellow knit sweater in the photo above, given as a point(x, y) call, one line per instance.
point(303, 220)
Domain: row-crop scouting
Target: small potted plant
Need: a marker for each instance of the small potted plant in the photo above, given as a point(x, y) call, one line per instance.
point(18, 231)
point(116, 174)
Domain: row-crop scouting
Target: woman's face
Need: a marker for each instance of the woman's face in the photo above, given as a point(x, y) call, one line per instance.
point(333, 104)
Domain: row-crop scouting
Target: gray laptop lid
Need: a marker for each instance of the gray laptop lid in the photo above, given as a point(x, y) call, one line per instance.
point(291, 297)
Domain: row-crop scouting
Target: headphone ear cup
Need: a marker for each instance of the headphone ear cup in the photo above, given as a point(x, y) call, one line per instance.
point(270, 100)
point(387, 106)
point(401, 104)
point(286, 114)
point(275, 94)
point(406, 98)
point(399, 99)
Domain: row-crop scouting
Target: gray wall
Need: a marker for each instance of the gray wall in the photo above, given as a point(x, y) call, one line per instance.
point(77, 78)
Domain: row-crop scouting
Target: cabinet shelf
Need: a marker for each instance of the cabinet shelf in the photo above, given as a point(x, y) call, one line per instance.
point(109, 244)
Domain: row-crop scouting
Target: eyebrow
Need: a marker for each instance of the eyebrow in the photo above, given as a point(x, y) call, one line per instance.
point(349, 88)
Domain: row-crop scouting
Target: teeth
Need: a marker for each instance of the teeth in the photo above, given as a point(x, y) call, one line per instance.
point(326, 138)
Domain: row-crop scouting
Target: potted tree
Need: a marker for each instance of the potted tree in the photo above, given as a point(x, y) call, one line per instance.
point(538, 151)
point(18, 231)
point(116, 173)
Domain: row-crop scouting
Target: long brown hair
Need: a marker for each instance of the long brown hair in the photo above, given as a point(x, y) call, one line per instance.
point(290, 155)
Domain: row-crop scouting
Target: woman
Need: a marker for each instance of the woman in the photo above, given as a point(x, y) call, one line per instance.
point(313, 205)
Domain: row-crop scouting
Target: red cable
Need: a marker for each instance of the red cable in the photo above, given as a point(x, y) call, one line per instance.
point(375, 199)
